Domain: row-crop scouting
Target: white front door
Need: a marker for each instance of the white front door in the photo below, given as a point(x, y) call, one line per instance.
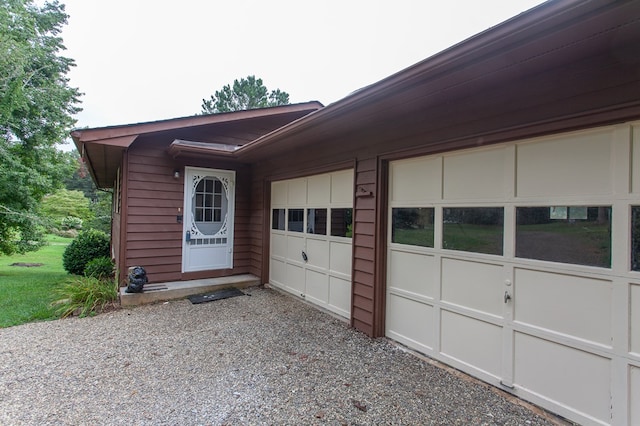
point(208, 219)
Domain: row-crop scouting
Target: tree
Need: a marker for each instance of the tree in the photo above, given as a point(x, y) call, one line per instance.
point(100, 201)
point(248, 93)
point(63, 204)
point(36, 113)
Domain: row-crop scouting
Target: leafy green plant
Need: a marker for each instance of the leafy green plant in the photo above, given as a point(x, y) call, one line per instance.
point(100, 268)
point(84, 296)
point(88, 245)
point(71, 222)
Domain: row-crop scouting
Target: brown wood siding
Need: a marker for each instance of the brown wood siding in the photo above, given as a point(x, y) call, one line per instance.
point(364, 245)
point(259, 239)
point(154, 199)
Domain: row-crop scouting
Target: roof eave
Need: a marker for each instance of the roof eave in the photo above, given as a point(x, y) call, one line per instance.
point(115, 132)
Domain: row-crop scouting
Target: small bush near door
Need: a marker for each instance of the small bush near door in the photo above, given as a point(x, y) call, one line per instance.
point(88, 245)
point(101, 268)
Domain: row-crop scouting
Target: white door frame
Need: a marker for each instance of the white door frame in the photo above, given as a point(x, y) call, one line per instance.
point(201, 249)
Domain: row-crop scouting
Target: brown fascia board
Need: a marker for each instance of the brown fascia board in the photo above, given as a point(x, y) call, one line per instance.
point(104, 135)
point(547, 18)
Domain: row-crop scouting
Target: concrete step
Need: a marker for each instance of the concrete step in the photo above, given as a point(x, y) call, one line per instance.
point(161, 292)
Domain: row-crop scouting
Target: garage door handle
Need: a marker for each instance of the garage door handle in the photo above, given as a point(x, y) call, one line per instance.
point(507, 296)
point(304, 256)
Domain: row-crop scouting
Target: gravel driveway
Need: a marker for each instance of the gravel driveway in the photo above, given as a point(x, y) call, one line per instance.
point(264, 359)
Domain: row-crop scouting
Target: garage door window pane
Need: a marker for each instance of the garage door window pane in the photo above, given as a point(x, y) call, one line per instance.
point(278, 221)
point(317, 221)
point(579, 235)
point(296, 220)
point(342, 222)
point(413, 226)
point(474, 229)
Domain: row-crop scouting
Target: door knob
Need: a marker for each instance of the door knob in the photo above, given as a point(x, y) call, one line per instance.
point(507, 296)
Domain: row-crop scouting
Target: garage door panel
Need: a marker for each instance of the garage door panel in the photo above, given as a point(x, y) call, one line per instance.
point(634, 319)
point(412, 272)
point(473, 342)
point(473, 285)
point(410, 322)
point(317, 253)
point(295, 246)
point(340, 295)
point(566, 335)
point(342, 187)
point(317, 287)
point(278, 271)
point(405, 173)
point(297, 192)
point(460, 172)
point(279, 193)
point(319, 190)
point(563, 375)
point(578, 164)
point(278, 245)
point(294, 278)
point(634, 395)
point(567, 304)
point(340, 257)
point(324, 278)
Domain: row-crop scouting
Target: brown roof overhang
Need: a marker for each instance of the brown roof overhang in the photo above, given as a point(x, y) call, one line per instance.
point(552, 53)
point(102, 148)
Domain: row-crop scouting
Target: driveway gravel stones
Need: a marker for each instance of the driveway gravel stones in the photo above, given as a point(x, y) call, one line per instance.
point(266, 359)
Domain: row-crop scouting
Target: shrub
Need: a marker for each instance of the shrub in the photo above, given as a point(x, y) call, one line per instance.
point(71, 222)
point(87, 246)
point(84, 296)
point(69, 233)
point(100, 268)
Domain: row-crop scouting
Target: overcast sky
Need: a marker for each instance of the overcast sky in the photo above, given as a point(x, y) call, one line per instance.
point(146, 60)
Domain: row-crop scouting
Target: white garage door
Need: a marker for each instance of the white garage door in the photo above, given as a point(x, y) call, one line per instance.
point(311, 227)
point(515, 264)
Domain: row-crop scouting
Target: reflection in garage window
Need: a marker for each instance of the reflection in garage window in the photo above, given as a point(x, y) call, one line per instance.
point(296, 220)
point(475, 229)
point(412, 226)
point(635, 238)
point(317, 221)
point(277, 221)
point(579, 235)
point(342, 222)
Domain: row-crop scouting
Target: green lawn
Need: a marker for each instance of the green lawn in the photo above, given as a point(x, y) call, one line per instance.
point(26, 293)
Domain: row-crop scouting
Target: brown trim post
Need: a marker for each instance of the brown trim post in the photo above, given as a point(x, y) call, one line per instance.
point(266, 230)
point(380, 282)
point(124, 204)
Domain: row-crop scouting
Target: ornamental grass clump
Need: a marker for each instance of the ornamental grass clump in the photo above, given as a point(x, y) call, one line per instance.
point(85, 296)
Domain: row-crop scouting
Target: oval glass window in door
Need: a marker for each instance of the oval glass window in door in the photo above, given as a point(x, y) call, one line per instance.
point(209, 206)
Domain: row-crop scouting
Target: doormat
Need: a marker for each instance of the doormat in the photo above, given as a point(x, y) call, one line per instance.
point(216, 295)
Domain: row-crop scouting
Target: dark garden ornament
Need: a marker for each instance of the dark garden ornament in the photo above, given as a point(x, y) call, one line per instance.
point(137, 279)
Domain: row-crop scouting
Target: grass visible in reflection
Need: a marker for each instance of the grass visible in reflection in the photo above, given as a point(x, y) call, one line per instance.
point(474, 238)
